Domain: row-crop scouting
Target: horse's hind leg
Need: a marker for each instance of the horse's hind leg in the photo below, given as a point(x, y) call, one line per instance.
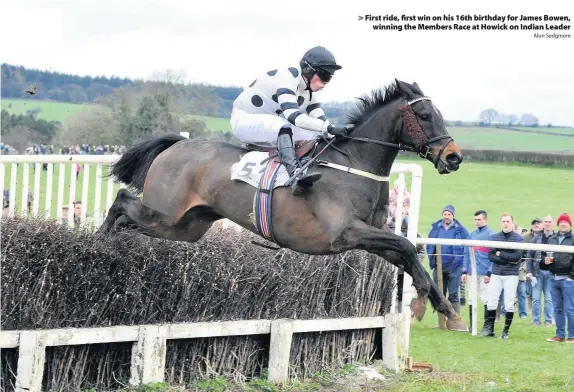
point(128, 211)
point(400, 252)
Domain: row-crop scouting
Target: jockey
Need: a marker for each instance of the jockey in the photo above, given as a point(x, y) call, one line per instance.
point(281, 107)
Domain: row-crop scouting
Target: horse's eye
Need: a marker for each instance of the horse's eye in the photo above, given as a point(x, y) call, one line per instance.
point(425, 116)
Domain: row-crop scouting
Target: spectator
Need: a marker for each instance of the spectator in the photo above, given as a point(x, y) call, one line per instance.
point(562, 267)
point(452, 256)
point(502, 274)
point(394, 196)
point(524, 291)
point(6, 210)
point(536, 268)
point(481, 233)
point(77, 213)
point(64, 214)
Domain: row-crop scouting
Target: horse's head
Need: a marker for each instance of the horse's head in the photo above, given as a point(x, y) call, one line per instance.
point(423, 129)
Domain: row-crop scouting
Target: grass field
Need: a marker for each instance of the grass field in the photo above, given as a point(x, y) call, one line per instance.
point(49, 111)
point(493, 138)
point(215, 123)
point(524, 362)
point(524, 191)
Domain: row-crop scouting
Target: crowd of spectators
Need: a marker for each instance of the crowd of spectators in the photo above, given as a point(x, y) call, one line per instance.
point(73, 149)
point(508, 281)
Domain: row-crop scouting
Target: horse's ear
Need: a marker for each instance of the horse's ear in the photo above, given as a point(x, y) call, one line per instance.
point(405, 89)
point(417, 89)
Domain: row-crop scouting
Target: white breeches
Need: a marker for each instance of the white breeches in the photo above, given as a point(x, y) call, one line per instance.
point(495, 286)
point(481, 289)
point(264, 128)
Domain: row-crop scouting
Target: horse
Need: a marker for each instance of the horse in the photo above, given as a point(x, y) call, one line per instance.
point(186, 187)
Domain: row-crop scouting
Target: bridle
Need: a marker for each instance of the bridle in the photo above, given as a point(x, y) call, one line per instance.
point(422, 143)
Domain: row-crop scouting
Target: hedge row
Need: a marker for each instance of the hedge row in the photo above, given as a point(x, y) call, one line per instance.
point(548, 159)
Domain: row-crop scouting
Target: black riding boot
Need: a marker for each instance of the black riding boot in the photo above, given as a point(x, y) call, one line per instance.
point(507, 323)
point(288, 158)
point(470, 318)
point(488, 329)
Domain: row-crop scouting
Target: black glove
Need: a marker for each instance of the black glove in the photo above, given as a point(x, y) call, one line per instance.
point(337, 131)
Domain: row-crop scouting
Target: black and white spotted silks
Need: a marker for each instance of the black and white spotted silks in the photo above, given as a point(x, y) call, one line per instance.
point(276, 99)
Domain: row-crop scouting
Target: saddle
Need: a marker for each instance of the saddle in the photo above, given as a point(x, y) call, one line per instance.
point(302, 148)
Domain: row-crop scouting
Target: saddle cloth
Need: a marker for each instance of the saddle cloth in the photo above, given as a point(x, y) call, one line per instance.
point(249, 169)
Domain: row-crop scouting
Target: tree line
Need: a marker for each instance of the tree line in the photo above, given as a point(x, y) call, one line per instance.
point(20, 82)
point(493, 117)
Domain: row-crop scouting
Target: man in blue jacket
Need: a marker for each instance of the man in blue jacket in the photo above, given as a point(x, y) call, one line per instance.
point(452, 256)
point(482, 233)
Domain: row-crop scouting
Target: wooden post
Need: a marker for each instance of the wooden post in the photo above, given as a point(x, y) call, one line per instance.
point(474, 292)
point(391, 342)
point(148, 355)
point(280, 350)
point(438, 252)
point(31, 359)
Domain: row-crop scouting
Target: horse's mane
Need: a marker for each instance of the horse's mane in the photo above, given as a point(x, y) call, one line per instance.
point(367, 104)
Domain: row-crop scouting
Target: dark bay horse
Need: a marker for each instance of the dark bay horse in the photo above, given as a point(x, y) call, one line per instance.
point(186, 187)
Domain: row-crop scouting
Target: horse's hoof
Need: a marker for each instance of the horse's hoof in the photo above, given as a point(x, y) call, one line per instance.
point(456, 324)
point(419, 307)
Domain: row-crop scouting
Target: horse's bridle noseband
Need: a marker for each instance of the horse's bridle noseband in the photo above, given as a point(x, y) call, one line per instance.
point(422, 144)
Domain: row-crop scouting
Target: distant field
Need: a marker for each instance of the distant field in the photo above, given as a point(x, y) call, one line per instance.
point(49, 111)
point(565, 130)
point(466, 137)
point(500, 139)
point(215, 123)
point(495, 188)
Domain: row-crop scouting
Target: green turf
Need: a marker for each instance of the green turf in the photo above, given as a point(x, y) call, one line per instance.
point(524, 191)
point(49, 110)
point(525, 362)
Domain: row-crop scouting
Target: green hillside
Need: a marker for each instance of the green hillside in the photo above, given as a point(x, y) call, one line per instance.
point(49, 110)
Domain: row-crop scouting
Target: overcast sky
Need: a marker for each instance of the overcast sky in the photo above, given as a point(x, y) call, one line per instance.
point(231, 42)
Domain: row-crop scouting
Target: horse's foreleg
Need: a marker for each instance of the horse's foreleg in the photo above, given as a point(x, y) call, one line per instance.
point(400, 252)
point(130, 211)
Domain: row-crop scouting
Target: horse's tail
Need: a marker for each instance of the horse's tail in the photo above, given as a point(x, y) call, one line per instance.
point(134, 164)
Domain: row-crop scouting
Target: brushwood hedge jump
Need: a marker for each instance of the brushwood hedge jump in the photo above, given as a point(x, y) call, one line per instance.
point(54, 277)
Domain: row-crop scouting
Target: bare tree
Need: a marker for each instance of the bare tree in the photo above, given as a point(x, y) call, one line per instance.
point(529, 120)
point(488, 116)
point(20, 137)
point(95, 125)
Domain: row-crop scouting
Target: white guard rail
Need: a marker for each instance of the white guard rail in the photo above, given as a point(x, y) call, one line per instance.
point(489, 244)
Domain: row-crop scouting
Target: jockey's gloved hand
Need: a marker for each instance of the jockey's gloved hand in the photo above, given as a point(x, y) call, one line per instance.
point(337, 131)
